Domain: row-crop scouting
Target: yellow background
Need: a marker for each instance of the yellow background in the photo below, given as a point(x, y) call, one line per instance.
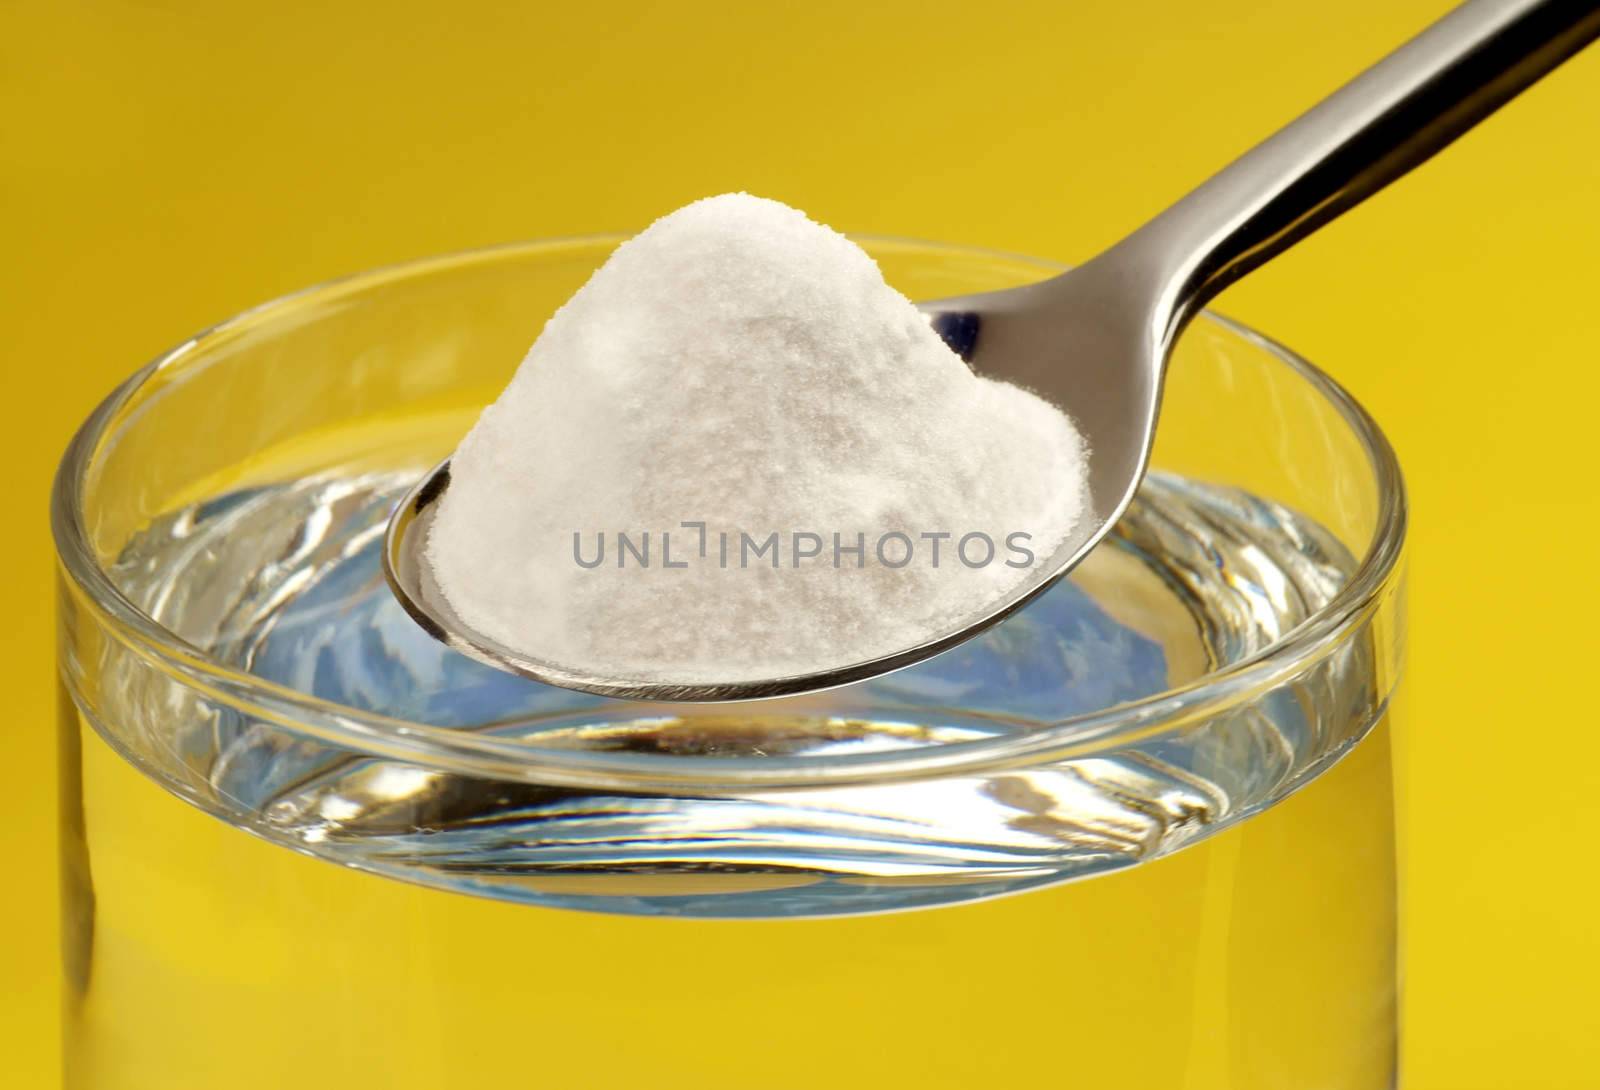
point(165, 164)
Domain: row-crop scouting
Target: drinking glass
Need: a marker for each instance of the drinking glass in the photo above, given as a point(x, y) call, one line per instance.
point(1139, 835)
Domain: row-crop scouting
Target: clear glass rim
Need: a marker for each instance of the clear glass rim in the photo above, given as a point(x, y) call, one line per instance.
point(487, 755)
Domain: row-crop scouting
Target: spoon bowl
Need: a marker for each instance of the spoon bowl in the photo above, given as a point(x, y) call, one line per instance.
point(1020, 336)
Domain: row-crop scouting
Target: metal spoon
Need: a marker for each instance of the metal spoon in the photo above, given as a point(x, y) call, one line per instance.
point(1096, 340)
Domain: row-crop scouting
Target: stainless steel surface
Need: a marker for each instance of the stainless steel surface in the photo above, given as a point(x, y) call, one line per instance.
point(1096, 340)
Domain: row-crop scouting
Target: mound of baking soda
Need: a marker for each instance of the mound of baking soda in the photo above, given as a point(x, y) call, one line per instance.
point(737, 453)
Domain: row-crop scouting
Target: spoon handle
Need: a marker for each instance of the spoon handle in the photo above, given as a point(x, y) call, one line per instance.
point(1377, 127)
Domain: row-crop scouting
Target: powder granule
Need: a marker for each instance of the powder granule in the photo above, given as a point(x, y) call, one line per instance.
point(743, 370)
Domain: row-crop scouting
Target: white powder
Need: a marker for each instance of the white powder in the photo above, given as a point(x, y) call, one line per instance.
point(740, 366)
